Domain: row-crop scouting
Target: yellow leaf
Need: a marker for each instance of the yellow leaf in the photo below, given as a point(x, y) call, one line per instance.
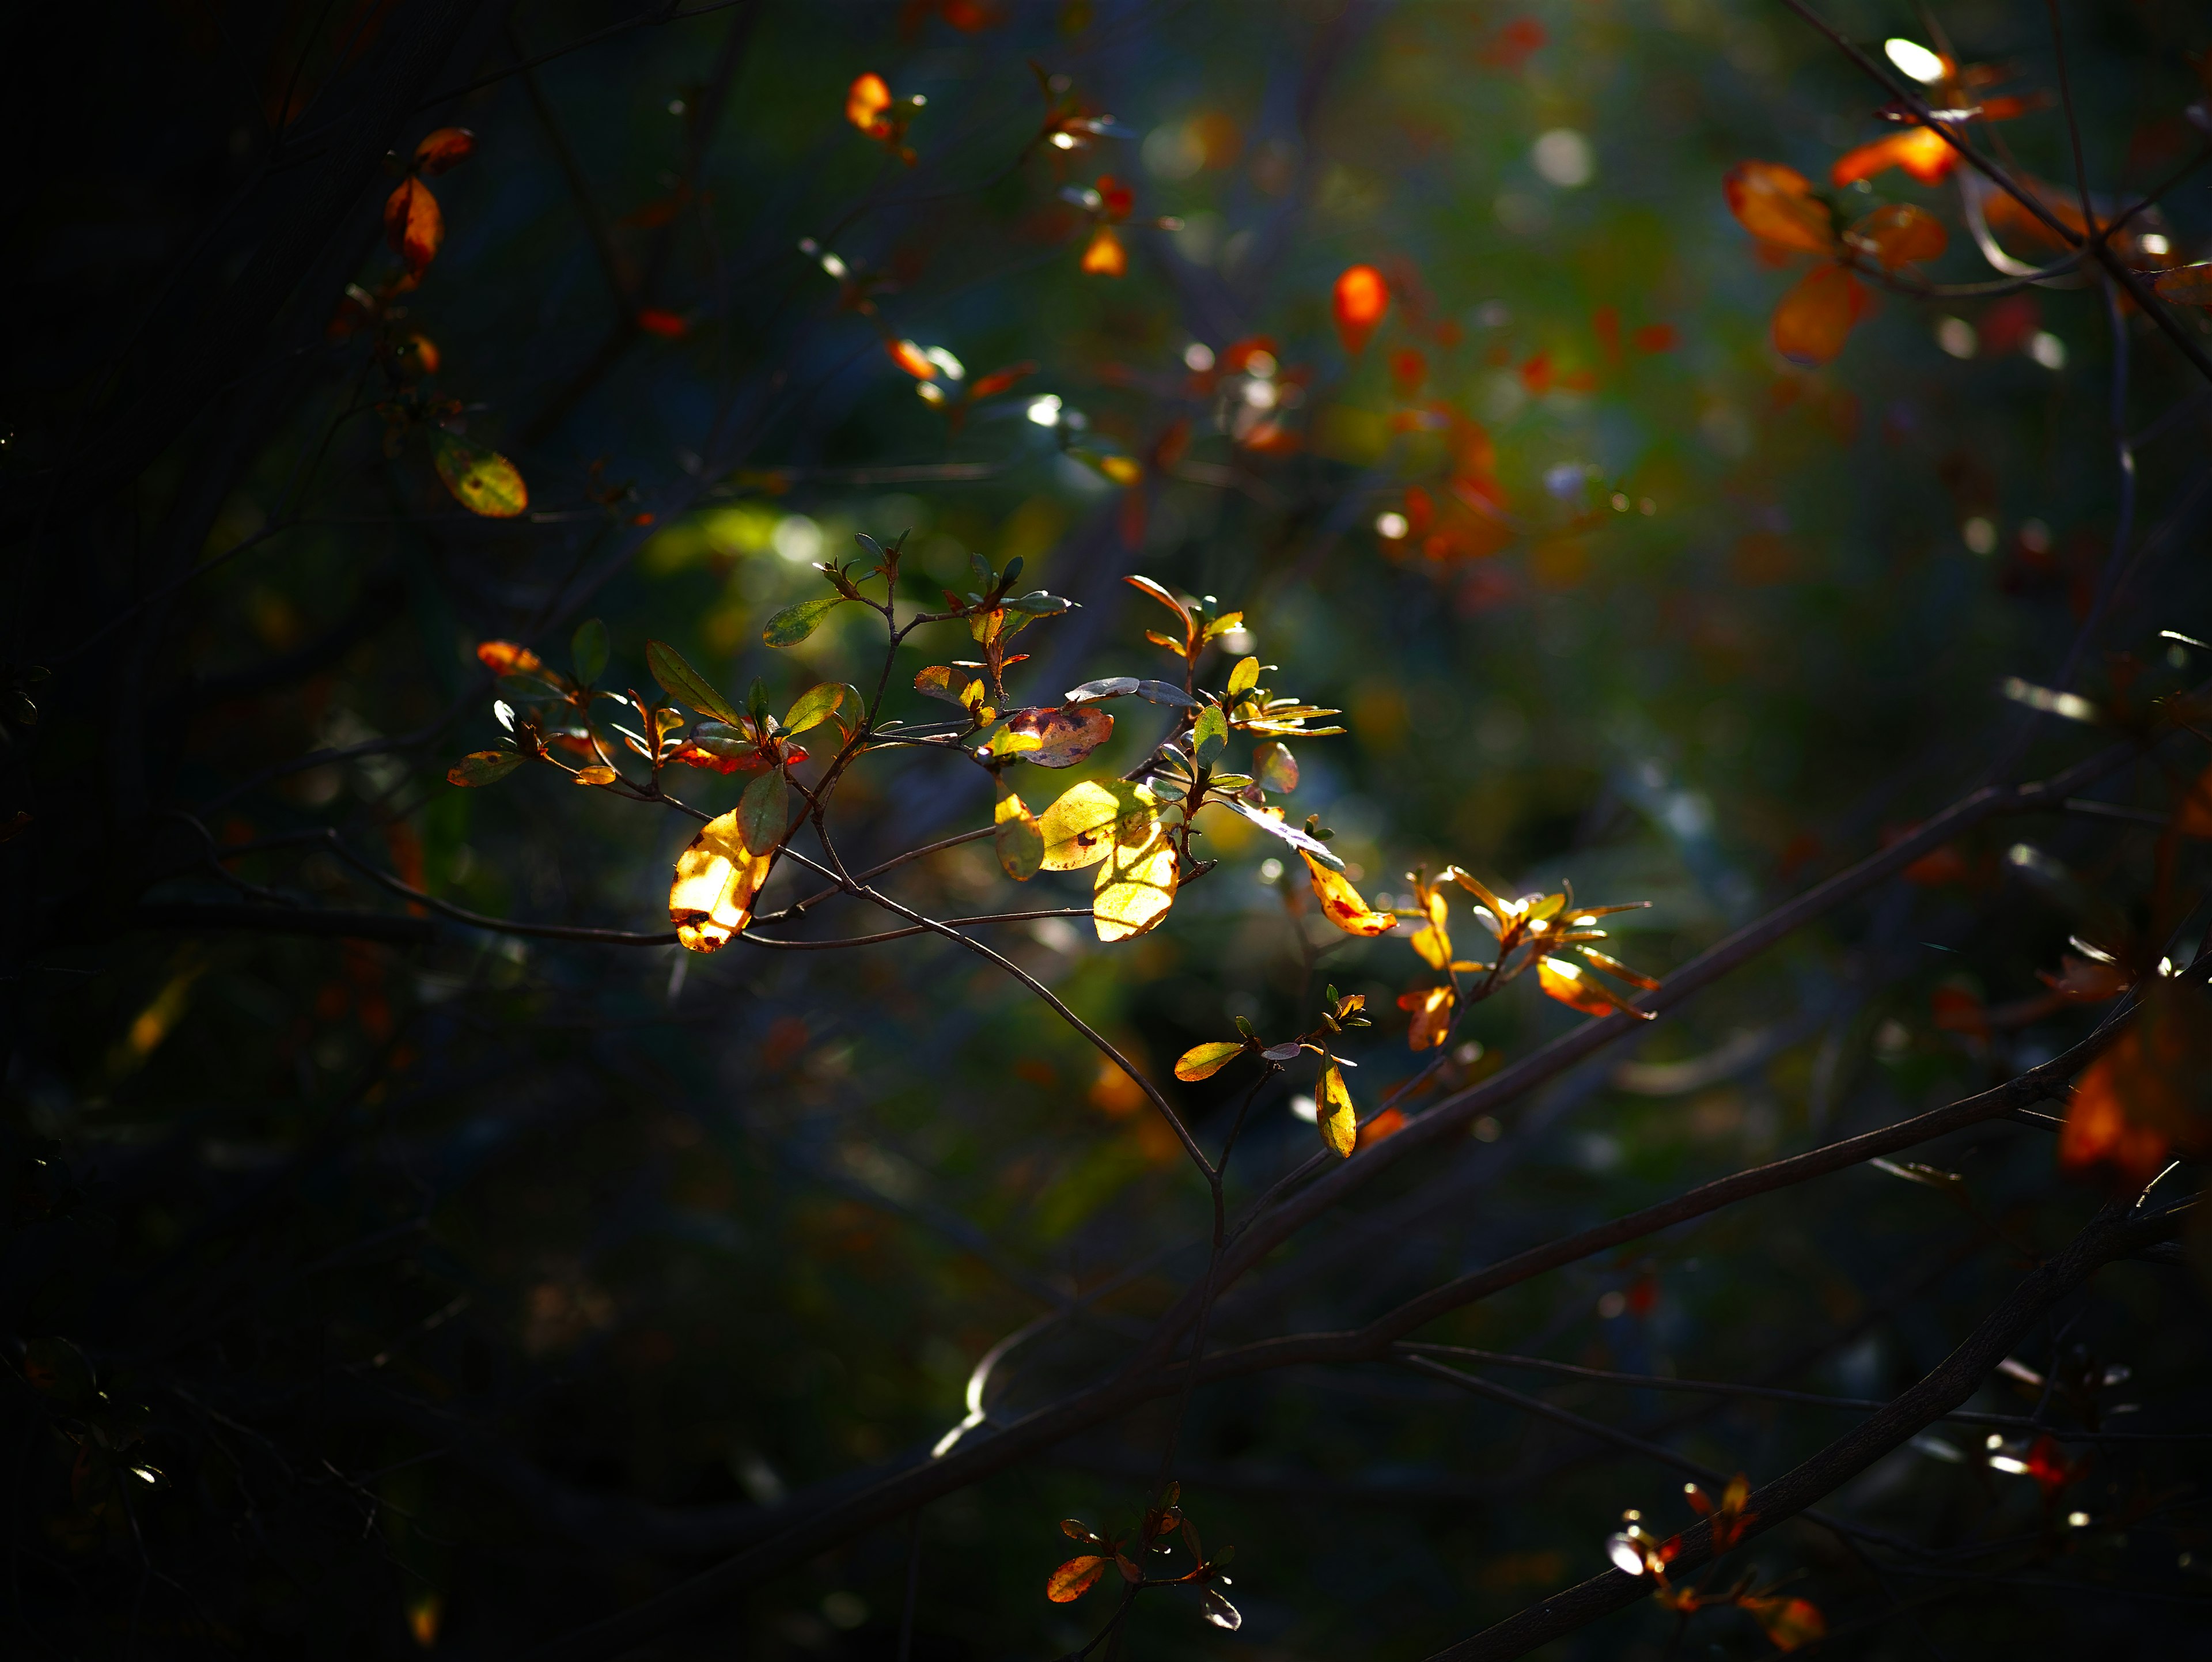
point(1574, 986)
point(1137, 883)
point(1340, 1126)
point(1204, 1060)
point(1091, 816)
point(1073, 1579)
point(1342, 904)
point(482, 481)
point(716, 878)
point(598, 774)
point(1014, 832)
point(1433, 941)
point(1432, 1010)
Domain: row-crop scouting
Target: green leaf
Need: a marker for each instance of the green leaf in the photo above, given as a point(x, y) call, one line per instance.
point(587, 650)
point(814, 706)
point(984, 578)
point(757, 699)
point(1204, 1061)
point(482, 481)
point(762, 811)
point(795, 622)
point(682, 682)
point(484, 767)
point(1038, 604)
point(869, 545)
point(1209, 736)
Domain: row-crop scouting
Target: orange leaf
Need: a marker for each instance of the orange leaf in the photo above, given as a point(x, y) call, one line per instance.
point(1342, 904)
point(1386, 1123)
point(1776, 204)
point(506, 658)
point(716, 878)
point(1900, 234)
point(1432, 1010)
point(1921, 151)
point(1573, 986)
point(1361, 299)
point(1788, 1623)
point(1000, 379)
point(1433, 941)
point(2194, 818)
point(867, 98)
point(412, 223)
point(2098, 1130)
point(1051, 738)
point(445, 149)
point(1105, 257)
point(1814, 317)
point(911, 358)
point(1078, 1575)
point(2186, 285)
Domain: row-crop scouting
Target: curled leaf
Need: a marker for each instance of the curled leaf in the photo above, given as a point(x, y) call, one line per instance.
point(788, 627)
point(1014, 834)
point(1204, 1060)
point(1136, 884)
point(1051, 738)
point(1342, 904)
point(1433, 941)
point(1074, 1578)
point(1339, 1125)
point(484, 767)
point(1091, 816)
point(866, 100)
point(481, 480)
point(682, 682)
point(1776, 203)
point(717, 878)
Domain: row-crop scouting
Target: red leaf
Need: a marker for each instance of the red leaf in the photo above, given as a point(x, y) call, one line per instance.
point(412, 224)
point(667, 324)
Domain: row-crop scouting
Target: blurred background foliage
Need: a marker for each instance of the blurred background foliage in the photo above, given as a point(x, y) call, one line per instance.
point(472, 1288)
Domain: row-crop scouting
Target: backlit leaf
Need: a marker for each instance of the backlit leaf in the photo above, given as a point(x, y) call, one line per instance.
point(481, 480)
point(1073, 1579)
point(814, 706)
point(1105, 256)
point(1900, 234)
point(1080, 826)
point(1921, 151)
point(484, 767)
point(1218, 1611)
point(867, 98)
point(1612, 965)
point(1136, 884)
point(1358, 302)
point(1051, 738)
point(2185, 285)
point(412, 224)
point(1244, 677)
point(912, 359)
point(1275, 768)
point(1014, 833)
point(1432, 1010)
point(763, 810)
point(1776, 203)
point(1813, 319)
point(1433, 941)
point(444, 149)
point(506, 658)
point(1339, 1125)
point(2150, 1094)
point(1210, 735)
point(1204, 1060)
point(599, 773)
point(1788, 1623)
point(1271, 821)
point(1573, 986)
point(716, 879)
point(587, 650)
point(1342, 904)
point(686, 684)
point(788, 627)
point(1146, 585)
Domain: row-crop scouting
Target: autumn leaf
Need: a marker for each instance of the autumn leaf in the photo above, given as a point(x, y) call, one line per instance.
point(2185, 285)
point(1433, 941)
point(1432, 1010)
point(506, 658)
point(686, 684)
point(1358, 302)
point(1136, 883)
point(1204, 1060)
point(1073, 1579)
point(412, 224)
point(1340, 1126)
point(482, 481)
point(1788, 1623)
point(2149, 1094)
point(1921, 151)
point(1899, 233)
point(444, 150)
point(716, 879)
point(598, 774)
point(1574, 986)
point(1776, 205)
point(484, 767)
point(912, 359)
point(1015, 835)
point(1274, 767)
point(788, 627)
point(1091, 818)
point(1105, 256)
point(1814, 317)
point(1342, 904)
point(1051, 738)
point(865, 101)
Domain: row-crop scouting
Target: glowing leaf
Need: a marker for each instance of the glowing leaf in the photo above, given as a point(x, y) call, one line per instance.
point(1209, 736)
point(1788, 1623)
point(1271, 821)
point(1900, 234)
point(1146, 585)
point(1136, 885)
point(1614, 966)
point(1573, 986)
point(1813, 318)
point(444, 149)
point(1340, 1126)
point(866, 100)
point(788, 627)
point(1105, 257)
point(1015, 835)
point(762, 811)
point(482, 481)
point(682, 682)
point(1114, 686)
point(1051, 738)
point(484, 767)
point(1341, 904)
point(716, 878)
point(1218, 1611)
point(412, 224)
point(587, 650)
point(2185, 285)
point(1433, 941)
point(598, 774)
point(1122, 470)
point(1081, 826)
point(912, 359)
point(1276, 769)
point(1359, 301)
point(1204, 1060)
point(813, 707)
point(2150, 1094)
point(506, 658)
point(1073, 1579)
point(1921, 151)
point(1776, 203)
point(1432, 1010)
